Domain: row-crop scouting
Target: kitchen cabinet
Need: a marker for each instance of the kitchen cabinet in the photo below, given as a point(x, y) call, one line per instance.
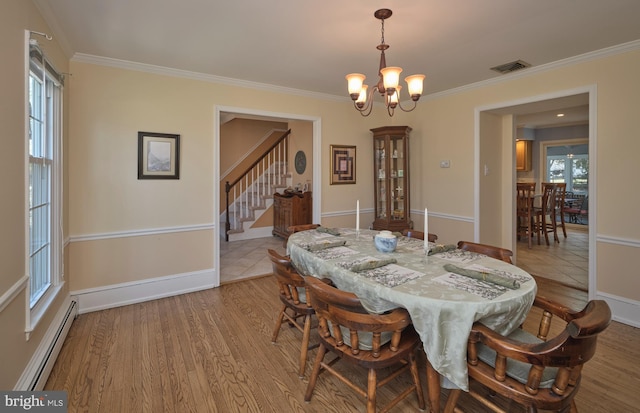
point(523, 155)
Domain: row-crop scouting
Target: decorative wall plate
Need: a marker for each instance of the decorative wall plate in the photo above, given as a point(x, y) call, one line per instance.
point(301, 162)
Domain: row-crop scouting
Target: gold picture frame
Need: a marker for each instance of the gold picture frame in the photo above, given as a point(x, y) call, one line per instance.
point(343, 164)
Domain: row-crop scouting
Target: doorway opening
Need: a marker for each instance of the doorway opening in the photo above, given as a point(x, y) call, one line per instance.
point(224, 113)
point(506, 118)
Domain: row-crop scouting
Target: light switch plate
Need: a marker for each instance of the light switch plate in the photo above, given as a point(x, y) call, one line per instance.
point(444, 164)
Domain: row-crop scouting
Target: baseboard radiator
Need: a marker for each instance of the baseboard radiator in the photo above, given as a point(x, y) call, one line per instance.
point(47, 353)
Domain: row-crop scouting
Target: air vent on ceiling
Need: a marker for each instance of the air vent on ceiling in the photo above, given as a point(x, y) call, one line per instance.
point(511, 67)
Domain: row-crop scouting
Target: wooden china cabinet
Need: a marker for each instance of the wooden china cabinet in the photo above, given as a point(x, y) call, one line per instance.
point(391, 178)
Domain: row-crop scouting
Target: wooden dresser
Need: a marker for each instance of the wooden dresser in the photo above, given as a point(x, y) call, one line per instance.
point(290, 208)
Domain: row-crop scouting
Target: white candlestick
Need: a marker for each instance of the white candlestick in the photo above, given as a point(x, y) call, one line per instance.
point(426, 230)
point(358, 214)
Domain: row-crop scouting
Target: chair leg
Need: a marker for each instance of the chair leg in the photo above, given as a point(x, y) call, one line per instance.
point(315, 372)
point(305, 344)
point(574, 408)
point(544, 229)
point(564, 228)
point(371, 391)
point(452, 401)
point(433, 388)
point(276, 330)
point(413, 366)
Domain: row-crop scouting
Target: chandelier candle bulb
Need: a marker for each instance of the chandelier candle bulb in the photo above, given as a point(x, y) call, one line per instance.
point(362, 99)
point(426, 230)
point(390, 78)
point(394, 98)
point(354, 82)
point(415, 84)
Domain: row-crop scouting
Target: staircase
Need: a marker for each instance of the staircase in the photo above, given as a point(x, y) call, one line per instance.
point(249, 196)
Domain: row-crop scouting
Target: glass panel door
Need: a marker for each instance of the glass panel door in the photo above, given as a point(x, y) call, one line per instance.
point(380, 159)
point(397, 178)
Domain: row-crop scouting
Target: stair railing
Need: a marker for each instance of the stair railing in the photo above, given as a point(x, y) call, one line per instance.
point(256, 183)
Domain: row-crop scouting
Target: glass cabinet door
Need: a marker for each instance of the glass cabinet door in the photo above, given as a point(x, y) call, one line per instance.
point(380, 162)
point(396, 181)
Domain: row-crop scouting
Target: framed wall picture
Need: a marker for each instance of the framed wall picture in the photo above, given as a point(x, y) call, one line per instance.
point(158, 156)
point(343, 164)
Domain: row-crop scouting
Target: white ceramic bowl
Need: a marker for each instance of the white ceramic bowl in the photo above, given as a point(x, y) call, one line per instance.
point(385, 241)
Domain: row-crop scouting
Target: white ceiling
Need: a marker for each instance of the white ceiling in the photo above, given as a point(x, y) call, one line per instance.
point(311, 45)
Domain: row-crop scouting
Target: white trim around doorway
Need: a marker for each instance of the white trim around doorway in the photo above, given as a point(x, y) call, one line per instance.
point(317, 164)
point(591, 90)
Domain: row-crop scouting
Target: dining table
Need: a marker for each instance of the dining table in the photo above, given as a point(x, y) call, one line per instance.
point(431, 281)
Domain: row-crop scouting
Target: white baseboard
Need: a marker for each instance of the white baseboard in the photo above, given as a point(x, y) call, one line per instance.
point(251, 233)
point(623, 310)
point(101, 298)
point(37, 370)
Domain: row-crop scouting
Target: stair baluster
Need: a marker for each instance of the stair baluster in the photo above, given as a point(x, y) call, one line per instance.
point(271, 167)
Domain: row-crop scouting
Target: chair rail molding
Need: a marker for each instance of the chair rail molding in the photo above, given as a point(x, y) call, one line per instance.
point(13, 292)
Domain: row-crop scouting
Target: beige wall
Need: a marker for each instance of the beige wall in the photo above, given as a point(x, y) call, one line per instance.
point(110, 206)
point(301, 140)
point(239, 135)
point(122, 221)
point(446, 124)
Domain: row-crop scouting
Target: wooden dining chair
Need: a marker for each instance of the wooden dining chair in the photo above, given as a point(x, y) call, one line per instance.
point(524, 210)
point(561, 192)
point(545, 215)
point(411, 233)
point(303, 227)
point(498, 253)
point(537, 371)
point(295, 310)
point(371, 341)
point(297, 228)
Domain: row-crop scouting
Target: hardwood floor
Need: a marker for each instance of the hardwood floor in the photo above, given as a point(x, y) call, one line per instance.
point(211, 351)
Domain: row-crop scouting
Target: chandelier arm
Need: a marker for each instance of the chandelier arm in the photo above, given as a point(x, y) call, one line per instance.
point(366, 110)
point(368, 107)
point(415, 103)
point(390, 110)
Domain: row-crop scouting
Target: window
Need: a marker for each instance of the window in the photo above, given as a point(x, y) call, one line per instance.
point(570, 164)
point(44, 246)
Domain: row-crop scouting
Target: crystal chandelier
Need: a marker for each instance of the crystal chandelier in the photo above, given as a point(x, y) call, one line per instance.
point(388, 80)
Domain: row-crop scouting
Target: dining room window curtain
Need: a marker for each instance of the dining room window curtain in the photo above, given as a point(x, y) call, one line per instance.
point(44, 183)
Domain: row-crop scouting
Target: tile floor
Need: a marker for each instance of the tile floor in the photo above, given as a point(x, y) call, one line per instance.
point(566, 262)
point(247, 259)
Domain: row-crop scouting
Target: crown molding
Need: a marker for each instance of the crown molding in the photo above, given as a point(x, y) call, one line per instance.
point(167, 71)
point(533, 70)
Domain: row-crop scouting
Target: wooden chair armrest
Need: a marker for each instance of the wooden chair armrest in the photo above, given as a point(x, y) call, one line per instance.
point(557, 309)
point(531, 353)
